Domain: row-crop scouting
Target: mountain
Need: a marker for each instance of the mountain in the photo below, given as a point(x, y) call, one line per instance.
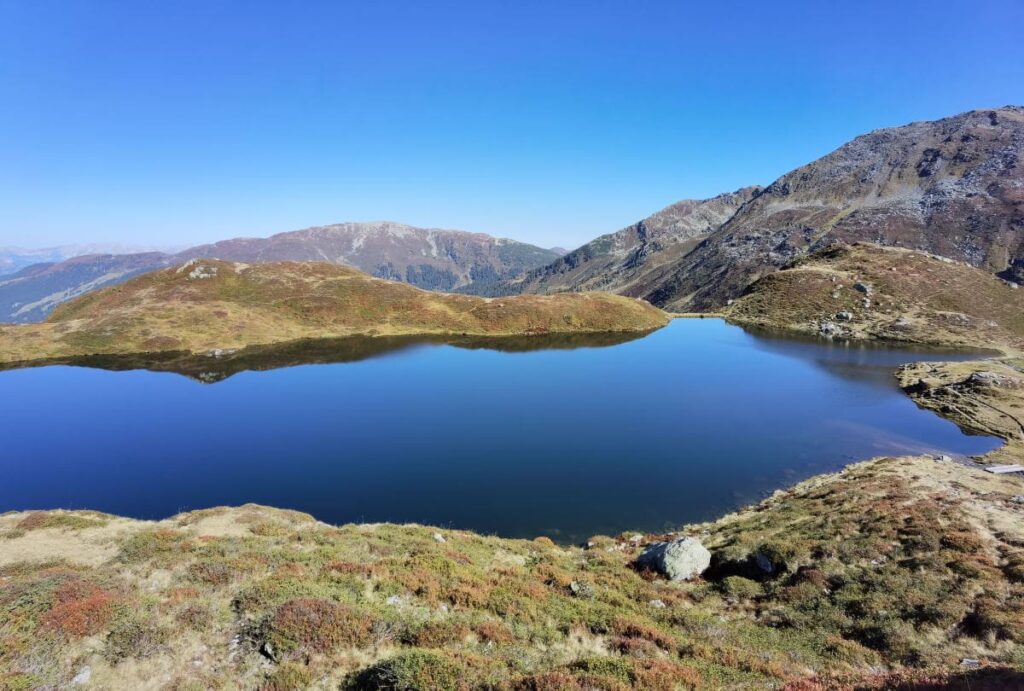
point(30, 294)
point(953, 187)
point(210, 305)
point(428, 258)
point(14, 259)
point(630, 261)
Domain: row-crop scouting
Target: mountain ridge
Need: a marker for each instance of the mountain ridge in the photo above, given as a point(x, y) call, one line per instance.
point(952, 187)
point(629, 259)
point(431, 258)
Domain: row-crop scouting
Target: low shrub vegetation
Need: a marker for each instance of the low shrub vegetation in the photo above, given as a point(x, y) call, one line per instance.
point(882, 567)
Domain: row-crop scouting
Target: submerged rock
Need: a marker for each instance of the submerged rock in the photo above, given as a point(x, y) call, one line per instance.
point(680, 559)
point(827, 329)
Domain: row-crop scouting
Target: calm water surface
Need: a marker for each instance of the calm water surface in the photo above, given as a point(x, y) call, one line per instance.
point(681, 425)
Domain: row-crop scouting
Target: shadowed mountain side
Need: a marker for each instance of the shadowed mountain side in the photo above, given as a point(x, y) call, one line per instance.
point(629, 261)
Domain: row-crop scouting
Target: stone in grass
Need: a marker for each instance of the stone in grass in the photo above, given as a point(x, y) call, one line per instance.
point(680, 559)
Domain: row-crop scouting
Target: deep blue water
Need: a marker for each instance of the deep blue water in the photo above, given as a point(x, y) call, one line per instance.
point(678, 426)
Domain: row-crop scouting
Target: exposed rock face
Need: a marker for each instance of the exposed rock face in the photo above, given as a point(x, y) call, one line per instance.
point(632, 260)
point(680, 559)
point(427, 258)
point(953, 187)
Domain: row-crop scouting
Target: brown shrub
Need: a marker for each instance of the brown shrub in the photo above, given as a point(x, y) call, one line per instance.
point(350, 568)
point(437, 634)
point(664, 674)
point(995, 619)
point(195, 616)
point(318, 626)
point(81, 609)
point(548, 681)
point(629, 628)
point(634, 647)
point(494, 632)
point(210, 572)
point(962, 541)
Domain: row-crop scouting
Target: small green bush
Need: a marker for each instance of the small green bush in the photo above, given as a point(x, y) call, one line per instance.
point(410, 671)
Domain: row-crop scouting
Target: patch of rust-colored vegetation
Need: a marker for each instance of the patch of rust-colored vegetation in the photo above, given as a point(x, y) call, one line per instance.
point(890, 572)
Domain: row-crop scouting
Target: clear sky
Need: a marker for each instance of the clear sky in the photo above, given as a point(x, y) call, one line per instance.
point(550, 122)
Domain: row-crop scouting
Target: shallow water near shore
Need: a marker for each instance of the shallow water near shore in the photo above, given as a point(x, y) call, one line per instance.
point(573, 439)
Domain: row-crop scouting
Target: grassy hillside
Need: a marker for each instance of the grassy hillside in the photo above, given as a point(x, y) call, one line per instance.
point(867, 291)
point(892, 570)
point(206, 305)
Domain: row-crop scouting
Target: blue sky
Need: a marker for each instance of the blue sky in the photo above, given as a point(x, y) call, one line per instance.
point(549, 122)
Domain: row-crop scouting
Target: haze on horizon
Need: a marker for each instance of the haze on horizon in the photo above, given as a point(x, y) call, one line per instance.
point(174, 125)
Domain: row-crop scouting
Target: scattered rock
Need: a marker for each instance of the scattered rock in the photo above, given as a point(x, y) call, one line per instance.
point(438, 537)
point(970, 663)
point(393, 600)
point(657, 604)
point(992, 379)
point(83, 676)
point(901, 324)
point(680, 559)
point(1018, 499)
point(863, 288)
point(267, 651)
point(764, 562)
point(844, 316)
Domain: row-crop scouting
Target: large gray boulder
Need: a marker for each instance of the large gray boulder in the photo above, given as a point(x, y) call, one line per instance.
point(678, 560)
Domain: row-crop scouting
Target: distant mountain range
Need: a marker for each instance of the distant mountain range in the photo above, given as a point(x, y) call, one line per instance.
point(428, 258)
point(14, 259)
point(952, 187)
